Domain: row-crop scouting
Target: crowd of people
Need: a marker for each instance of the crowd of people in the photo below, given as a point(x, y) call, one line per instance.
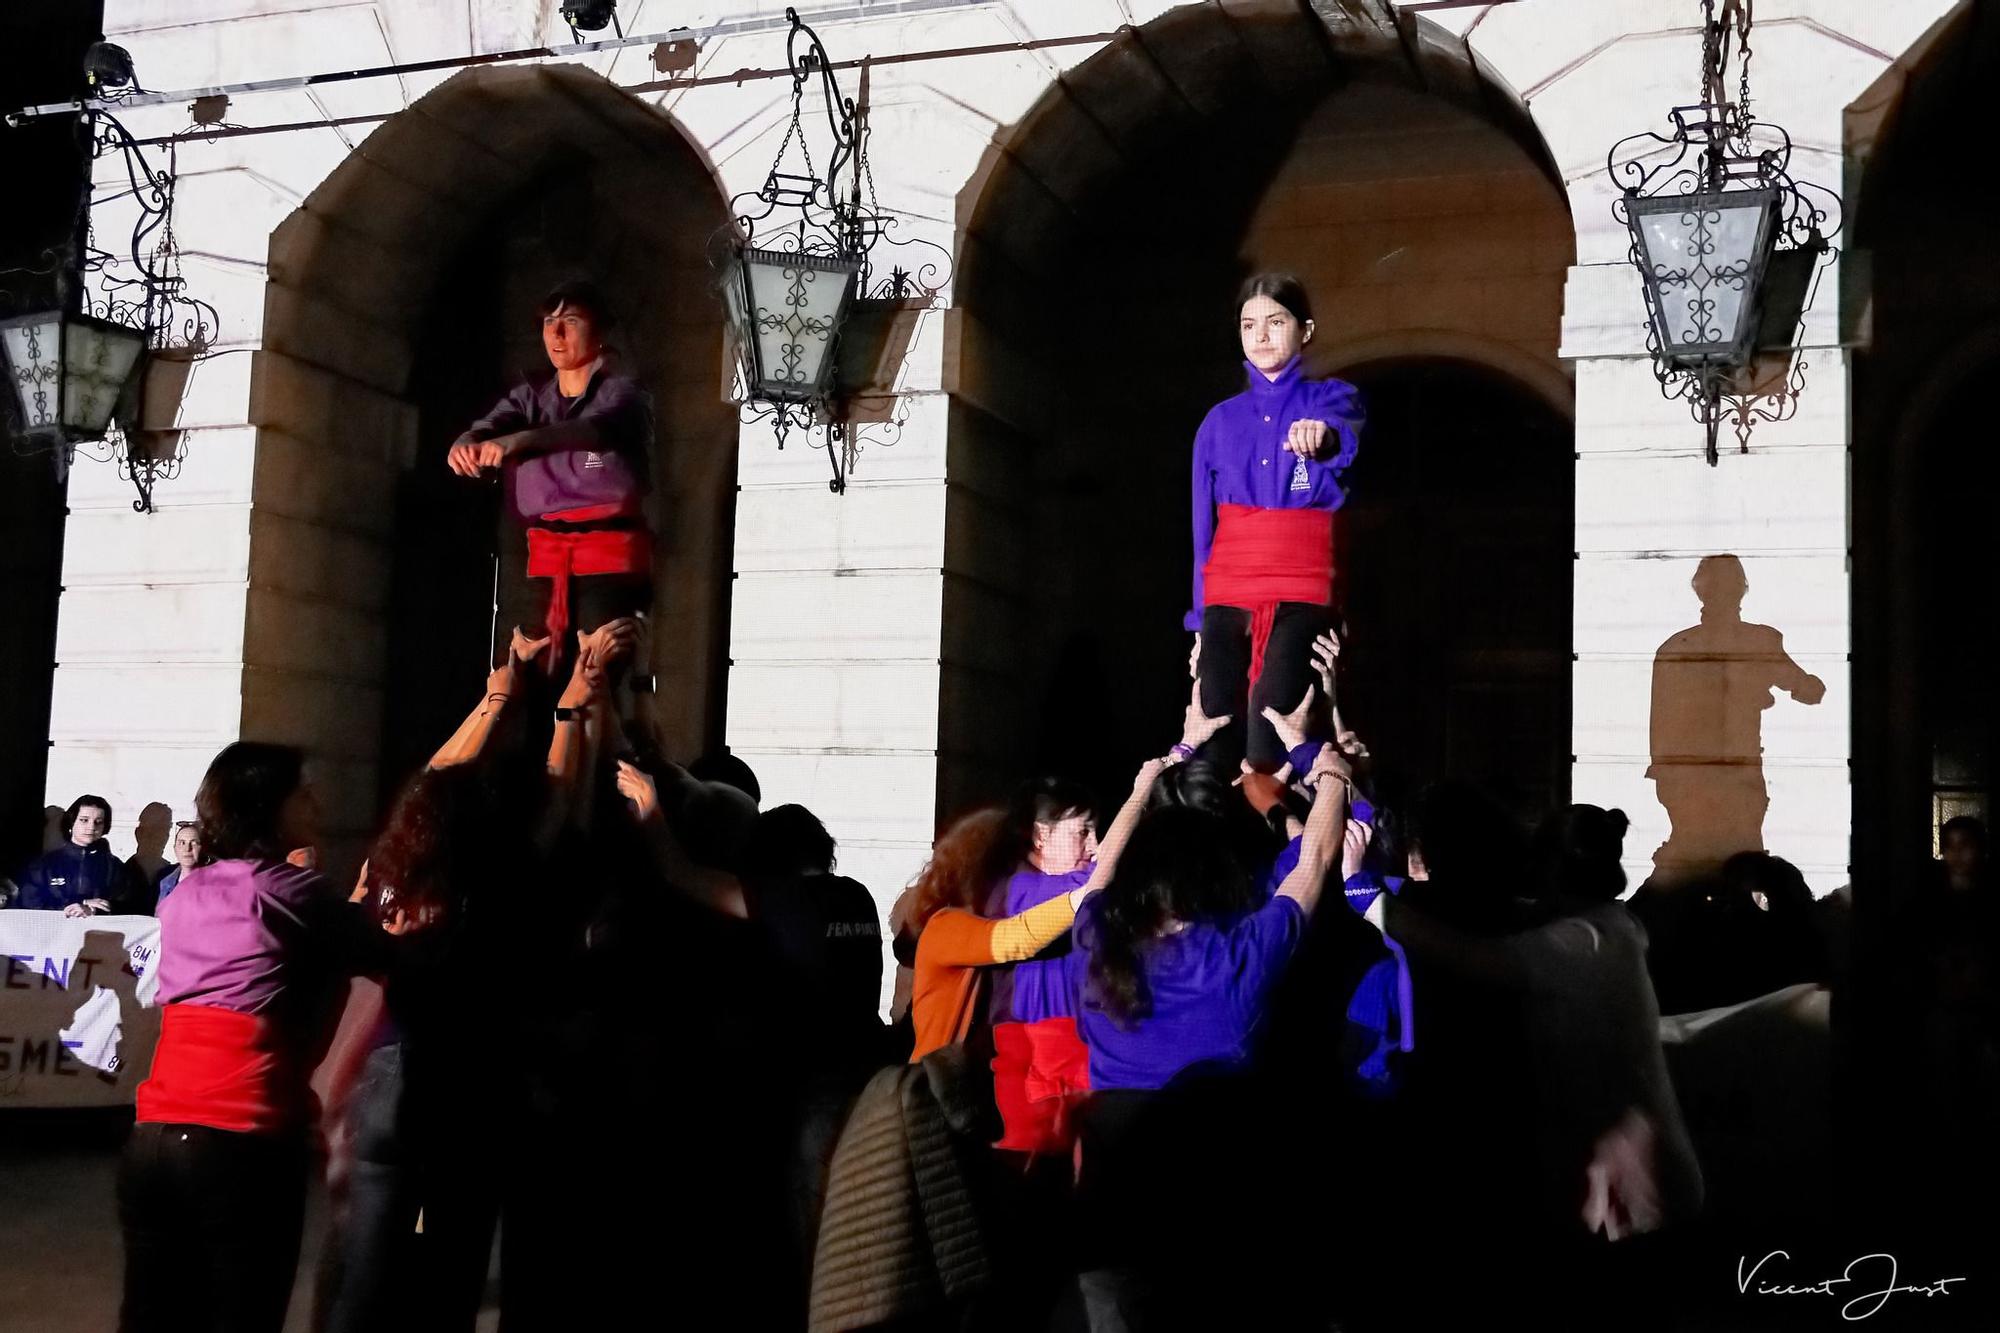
point(1262, 1049)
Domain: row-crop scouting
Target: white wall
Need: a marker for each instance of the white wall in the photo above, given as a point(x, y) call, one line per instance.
point(837, 603)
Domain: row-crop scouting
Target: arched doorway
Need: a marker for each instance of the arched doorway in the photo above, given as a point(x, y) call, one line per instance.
point(1101, 248)
point(402, 303)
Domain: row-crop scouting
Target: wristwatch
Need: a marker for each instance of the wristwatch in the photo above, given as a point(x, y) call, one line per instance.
point(568, 714)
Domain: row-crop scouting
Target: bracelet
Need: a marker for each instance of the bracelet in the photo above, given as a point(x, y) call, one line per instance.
point(1181, 753)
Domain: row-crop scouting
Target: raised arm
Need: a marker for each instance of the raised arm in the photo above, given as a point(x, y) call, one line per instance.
point(571, 757)
point(469, 741)
point(1326, 830)
point(714, 888)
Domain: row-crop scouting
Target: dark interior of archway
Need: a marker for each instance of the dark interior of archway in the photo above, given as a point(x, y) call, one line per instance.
point(639, 234)
point(1118, 322)
point(1924, 554)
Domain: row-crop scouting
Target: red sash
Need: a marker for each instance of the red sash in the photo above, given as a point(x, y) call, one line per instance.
point(226, 1070)
point(1040, 1071)
point(1261, 557)
point(557, 555)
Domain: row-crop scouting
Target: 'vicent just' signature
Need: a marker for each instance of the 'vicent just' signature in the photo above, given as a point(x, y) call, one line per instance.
point(1830, 1286)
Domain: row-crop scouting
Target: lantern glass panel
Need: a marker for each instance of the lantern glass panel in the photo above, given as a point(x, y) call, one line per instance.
point(97, 364)
point(32, 346)
point(1704, 257)
point(792, 306)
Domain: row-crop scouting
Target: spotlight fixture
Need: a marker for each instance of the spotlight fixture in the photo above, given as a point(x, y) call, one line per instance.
point(591, 16)
point(107, 65)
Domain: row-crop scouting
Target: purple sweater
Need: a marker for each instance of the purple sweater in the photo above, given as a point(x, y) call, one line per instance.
point(1240, 458)
point(554, 483)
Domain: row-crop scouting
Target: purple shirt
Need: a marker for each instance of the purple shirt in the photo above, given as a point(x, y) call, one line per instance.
point(568, 479)
point(1031, 888)
point(1240, 458)
point(262, 937)
point(1208, 986)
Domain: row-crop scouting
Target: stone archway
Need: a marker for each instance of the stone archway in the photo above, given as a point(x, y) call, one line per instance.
point(393, 298)
point(1101, 244)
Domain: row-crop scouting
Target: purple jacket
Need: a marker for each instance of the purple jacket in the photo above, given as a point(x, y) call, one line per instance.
point(1240, 458)
point(553, 483)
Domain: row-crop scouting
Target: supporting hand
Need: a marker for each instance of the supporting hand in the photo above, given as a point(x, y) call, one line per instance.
point(636, 785)
point(1197, 726)
point(1291, 727)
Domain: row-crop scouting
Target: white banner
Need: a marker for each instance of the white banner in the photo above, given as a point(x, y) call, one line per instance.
point(77, 1022)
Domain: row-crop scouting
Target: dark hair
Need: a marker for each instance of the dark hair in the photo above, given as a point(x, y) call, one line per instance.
point(241, 796)
point(1201, 785)
point(1284, 288)
point(716, 825)
point(1474, 852)
point(790, 840)
point(1040, 801)
point(433, 851)
point(76, 808)
point(1972, 826)
point(727, 768)
point(578, 294)
point(1178, 866)
point(1577, 853)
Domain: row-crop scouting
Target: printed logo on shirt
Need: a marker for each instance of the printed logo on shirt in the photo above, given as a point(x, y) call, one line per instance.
point(847, 930)
point(591, 460)
point(58, 881)
point(1301, 479)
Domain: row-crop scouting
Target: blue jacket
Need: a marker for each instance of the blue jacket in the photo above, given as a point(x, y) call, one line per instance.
point(70, 873)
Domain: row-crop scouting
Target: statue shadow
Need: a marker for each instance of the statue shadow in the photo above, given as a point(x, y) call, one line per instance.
point(1712, 683)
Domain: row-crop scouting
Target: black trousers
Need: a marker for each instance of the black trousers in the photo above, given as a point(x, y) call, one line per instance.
point(1226, 686)
point(212, 1222)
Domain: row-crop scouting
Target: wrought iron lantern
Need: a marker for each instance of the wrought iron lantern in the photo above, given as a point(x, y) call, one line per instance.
point(1728, 246)
point(69, 373)
point(801, 295)
point(107, 362)
point(788, 307)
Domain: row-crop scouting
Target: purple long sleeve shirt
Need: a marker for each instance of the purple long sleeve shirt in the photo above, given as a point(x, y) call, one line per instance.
point(1240, 458)
point(579, 478)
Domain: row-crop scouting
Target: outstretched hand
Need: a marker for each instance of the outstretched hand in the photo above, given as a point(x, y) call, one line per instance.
point(1329, 763)
point(1325, 654)
point(636, 785)
point(1197, 726)
point(523, 649)
point(1291, 727)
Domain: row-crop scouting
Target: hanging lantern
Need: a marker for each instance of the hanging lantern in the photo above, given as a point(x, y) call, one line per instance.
point(787, 309)
point(799, 296)
point(71, 374)
point(1727, 245)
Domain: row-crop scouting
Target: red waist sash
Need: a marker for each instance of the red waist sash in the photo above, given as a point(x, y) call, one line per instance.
point(1040, 1071)
point(226, 1070)
point(558, 555)
point(1261, 557)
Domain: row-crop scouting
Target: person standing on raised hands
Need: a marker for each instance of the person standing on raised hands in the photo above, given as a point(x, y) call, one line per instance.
point(1267, 481)
point(575, 452)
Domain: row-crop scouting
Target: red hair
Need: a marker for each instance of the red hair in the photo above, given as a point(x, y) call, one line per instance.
point(965, 861)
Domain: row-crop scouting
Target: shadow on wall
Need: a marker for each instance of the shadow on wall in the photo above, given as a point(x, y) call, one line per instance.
point(154, 827)
point(1711, 684)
